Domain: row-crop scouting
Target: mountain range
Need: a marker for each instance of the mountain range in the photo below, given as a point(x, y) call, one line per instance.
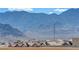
point(7, 30)
point(40, 25)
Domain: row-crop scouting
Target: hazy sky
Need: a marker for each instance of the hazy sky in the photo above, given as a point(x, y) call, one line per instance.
point(36, 10)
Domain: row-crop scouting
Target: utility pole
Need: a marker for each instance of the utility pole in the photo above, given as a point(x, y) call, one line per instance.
point(54, 29)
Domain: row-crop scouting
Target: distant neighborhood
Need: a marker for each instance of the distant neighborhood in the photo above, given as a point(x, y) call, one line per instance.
point(42, 43)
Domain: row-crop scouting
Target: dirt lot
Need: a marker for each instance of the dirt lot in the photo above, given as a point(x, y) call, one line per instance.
point(41, 48)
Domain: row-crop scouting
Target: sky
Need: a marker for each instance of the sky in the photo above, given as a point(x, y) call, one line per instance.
point(36, 10)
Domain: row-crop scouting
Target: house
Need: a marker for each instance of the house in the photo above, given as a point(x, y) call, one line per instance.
point(75, 42)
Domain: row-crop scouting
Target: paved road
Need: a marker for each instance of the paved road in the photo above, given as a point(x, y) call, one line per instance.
point(41, 48)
